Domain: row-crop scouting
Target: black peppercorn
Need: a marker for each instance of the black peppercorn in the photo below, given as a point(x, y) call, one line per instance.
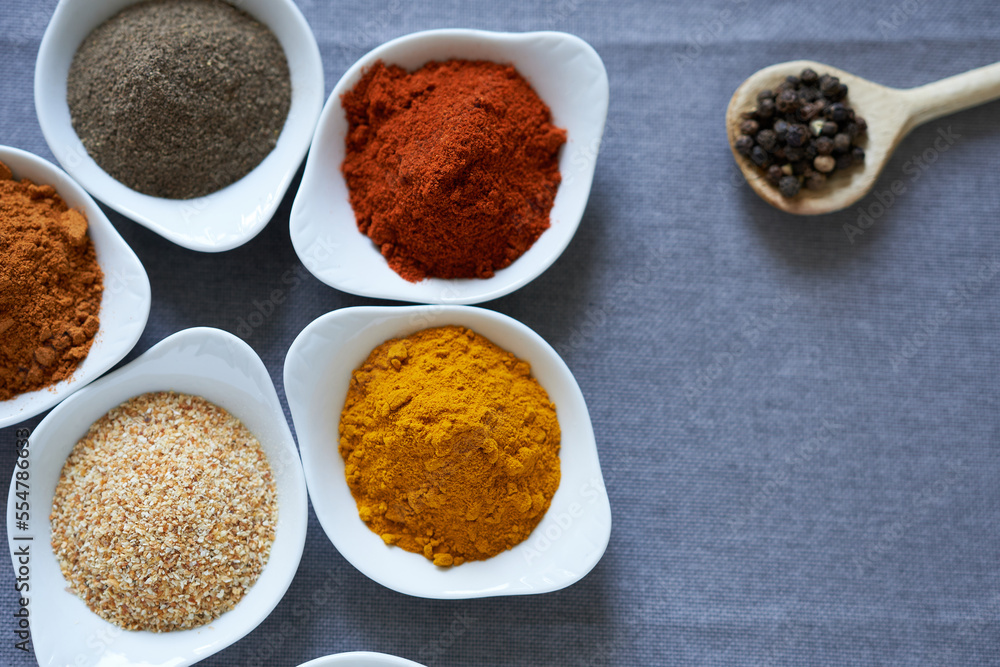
point(861, 123)
point(750, 127)
point(858, 155)
point(844, 161)
point(809, 77)
point(787, 101)
point(829, 129)
point(780, 128)
point(767, 93)
point(797, 135)
point(767, 139)
point(841, 143)
point(744, 144)
point(789, 186)
point(828, 84)
point(824, 145)
point(774, 174)
point(799, 168)
point(809, 94)
point(765, 109)
point(794, 153)
point(836, 112)
point(760, 156)
point(807, 112)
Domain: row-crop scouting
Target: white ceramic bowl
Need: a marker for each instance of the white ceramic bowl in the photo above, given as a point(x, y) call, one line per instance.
point(360, 659)
point(224, 370)
point(565, 545)
point(124, 305)
point(218, 221)
point(565, 72)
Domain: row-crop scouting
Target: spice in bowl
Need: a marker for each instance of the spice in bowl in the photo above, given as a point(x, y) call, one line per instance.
point(50, 287)
point(452, 169)
point(179, 98)
point(164, 514)
point(802, 132)
point(451, 447)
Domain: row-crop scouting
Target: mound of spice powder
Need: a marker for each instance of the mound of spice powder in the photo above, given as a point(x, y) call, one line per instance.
point(451, 447)
point(164, 514)
point(50, 287)
point(179, 98)
point(452, 169)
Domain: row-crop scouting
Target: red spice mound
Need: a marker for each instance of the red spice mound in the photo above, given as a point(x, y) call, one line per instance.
point(452, 169)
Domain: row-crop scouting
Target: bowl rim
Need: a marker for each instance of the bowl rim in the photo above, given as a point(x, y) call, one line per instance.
point(50, 436)
point(369, 658)
point(578, 158)
point(232, 215)
point(123, 274)
point(313, 357)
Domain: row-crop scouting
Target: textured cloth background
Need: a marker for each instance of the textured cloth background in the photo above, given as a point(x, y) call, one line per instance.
point(799, 428)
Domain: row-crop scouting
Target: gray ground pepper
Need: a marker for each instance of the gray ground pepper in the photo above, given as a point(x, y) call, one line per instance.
point(179, 98)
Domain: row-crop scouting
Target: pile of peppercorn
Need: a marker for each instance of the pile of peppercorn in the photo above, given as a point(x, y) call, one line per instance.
point(801, 132)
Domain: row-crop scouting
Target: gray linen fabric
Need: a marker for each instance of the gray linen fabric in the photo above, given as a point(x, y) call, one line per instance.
point(799, 426)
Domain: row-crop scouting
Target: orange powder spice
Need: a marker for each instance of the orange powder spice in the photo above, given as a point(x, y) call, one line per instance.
point(50, 287)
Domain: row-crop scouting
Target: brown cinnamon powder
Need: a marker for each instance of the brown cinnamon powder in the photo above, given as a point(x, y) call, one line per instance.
point(50, 287)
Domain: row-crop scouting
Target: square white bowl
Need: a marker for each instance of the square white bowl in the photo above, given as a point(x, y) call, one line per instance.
point(566, 73)
point(566, 544)
point(124, 304)
point(222, 369)
point(221, 220)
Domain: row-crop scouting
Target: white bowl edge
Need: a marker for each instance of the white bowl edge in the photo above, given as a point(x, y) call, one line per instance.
point(360, 659)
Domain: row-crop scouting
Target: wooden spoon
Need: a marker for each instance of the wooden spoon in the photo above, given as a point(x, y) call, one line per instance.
point(890, 113)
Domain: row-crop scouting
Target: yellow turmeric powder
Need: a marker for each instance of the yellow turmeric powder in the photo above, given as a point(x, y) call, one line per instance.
point(451, 447)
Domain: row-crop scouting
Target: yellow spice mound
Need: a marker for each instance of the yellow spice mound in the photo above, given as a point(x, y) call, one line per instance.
point(451, 447)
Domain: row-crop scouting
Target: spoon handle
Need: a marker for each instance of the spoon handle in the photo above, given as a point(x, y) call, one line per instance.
point(953, 94)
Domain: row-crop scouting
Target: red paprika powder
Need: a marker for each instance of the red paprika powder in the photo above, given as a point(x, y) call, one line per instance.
point(452, 169)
